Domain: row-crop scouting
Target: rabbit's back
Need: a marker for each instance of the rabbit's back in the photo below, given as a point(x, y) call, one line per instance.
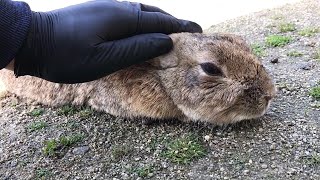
point(40, 90)
point(132, 92)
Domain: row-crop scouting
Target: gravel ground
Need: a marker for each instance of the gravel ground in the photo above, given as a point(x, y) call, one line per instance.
point(283, 144)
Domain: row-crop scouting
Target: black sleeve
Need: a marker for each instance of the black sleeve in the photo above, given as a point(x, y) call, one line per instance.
point(15, 19)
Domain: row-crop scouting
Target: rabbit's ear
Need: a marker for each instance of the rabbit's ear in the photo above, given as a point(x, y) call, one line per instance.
point(171, 59)
point(166, 61)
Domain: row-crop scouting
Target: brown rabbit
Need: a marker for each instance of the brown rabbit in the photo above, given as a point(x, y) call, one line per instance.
point(213, 78)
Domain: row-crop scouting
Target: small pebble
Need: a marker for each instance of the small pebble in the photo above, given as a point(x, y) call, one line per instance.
point(13, 163)
point(311, 44)
point(306, 65)
point(124, 176)
point(292, 171)
point(264, 166)
point(80, 150)
point(274, 60)
point(207, 137)
point(272, 147)
point(245, 172)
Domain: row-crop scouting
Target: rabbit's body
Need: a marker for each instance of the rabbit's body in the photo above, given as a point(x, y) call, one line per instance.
point(190, 83)
point(134, 92)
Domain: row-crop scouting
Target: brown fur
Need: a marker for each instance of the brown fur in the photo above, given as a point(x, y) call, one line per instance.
point(170, 86)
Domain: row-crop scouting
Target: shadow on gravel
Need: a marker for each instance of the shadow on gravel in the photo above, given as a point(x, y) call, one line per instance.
point(203, 127)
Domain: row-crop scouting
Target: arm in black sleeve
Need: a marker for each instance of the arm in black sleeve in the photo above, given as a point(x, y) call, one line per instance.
point(15, 20)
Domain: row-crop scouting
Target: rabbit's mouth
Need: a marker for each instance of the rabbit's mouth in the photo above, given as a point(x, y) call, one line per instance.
point(241, 117)
point(258, 112)
point(234, 117)
point(236, 114)
point(256, 108)
point(224, 116)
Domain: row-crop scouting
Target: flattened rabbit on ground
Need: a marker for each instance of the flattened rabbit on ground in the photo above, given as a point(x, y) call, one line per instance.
point(206, 77)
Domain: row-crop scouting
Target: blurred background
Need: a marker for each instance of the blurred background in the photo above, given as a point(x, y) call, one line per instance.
point(204, 12)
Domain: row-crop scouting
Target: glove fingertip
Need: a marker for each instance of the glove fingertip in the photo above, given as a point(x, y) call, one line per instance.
point(192, 27)
point(161, 43)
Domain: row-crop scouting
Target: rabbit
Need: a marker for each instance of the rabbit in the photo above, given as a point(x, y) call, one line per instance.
point(212, 78)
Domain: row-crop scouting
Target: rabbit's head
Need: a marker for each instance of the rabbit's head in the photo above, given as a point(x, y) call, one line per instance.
point(215, 78)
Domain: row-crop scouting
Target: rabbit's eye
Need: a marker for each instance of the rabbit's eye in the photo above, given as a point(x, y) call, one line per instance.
point(211, 69)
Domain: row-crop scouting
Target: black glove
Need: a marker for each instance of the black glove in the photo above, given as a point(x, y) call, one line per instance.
point(85, 42)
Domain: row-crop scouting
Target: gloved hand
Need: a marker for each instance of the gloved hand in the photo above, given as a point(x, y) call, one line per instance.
point(87, 41)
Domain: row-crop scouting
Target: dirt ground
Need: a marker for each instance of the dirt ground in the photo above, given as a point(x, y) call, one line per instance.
point(38, 142)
